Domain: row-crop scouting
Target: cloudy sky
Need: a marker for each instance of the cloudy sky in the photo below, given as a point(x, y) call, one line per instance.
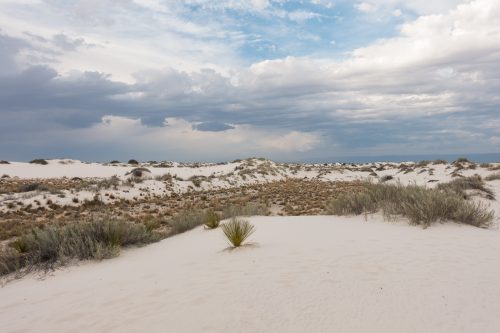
point(217, 80)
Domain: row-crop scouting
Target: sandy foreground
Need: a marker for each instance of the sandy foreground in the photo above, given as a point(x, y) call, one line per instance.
point(301, 274)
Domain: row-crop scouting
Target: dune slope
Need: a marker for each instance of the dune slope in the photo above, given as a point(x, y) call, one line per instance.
point(320, 274)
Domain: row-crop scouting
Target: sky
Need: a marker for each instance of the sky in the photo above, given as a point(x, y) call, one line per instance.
point(290, 80)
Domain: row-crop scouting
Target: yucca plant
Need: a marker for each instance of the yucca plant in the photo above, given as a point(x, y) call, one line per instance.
point(237, 231)
point(211, 219)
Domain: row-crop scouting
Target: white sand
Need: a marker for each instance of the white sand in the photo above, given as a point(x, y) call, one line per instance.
point(305, 274)
point(225, 176)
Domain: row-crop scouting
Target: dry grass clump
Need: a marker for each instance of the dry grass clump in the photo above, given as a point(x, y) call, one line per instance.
point(461, 185)
point(56, 245)
point(237, 231)
point(211, 219)
point(249, 209)
point(186, 220)
point(495, 176)
point(420, 205)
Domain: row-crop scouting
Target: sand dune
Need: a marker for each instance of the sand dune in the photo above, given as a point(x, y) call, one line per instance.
point(302, 274)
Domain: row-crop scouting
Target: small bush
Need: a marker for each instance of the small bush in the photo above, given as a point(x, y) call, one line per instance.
point(138, 172)
point(462, 160)
point(249, 209)
point(197, 180)
point(237, 231)
point(439, 162)
point(133, 162)
point(4, 162)
point(211, 219)
point(56, 245)
point(186, 220)
point(422, 164)
point(114, 162)
point(495, 176)
point(33, 187)
point(39, 161)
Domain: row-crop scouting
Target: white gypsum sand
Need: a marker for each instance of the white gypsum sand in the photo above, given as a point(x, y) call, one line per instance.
point(302, 274)
point(218, 176)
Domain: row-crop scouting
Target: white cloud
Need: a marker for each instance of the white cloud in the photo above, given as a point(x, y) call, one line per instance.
point(180, 136)
point(302, 15)
point(365, 7)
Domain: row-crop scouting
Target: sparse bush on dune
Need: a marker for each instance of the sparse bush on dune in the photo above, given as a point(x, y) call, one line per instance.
point(39, 161)
point(495, 176)
point(461, 185)
point(4, 162)
point(422, 206)
point(386, 178)
point(249, 209)
point(56, 245)
point(237, 231)
point(138, 172)
point(462, 160)
point(133, 162)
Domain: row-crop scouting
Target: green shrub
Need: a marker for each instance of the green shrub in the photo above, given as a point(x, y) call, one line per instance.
point(237, 231)
point(211, 219)
point(420, 205)
point(55, 245)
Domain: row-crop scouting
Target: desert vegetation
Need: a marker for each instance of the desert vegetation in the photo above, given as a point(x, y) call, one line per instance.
point(40, 161)
point(420, 205)
point(54, 245)
point(495, 176)
point(211, 219)
point(237, 230)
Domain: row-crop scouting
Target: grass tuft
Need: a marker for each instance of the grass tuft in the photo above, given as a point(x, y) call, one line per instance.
point(237, 231)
